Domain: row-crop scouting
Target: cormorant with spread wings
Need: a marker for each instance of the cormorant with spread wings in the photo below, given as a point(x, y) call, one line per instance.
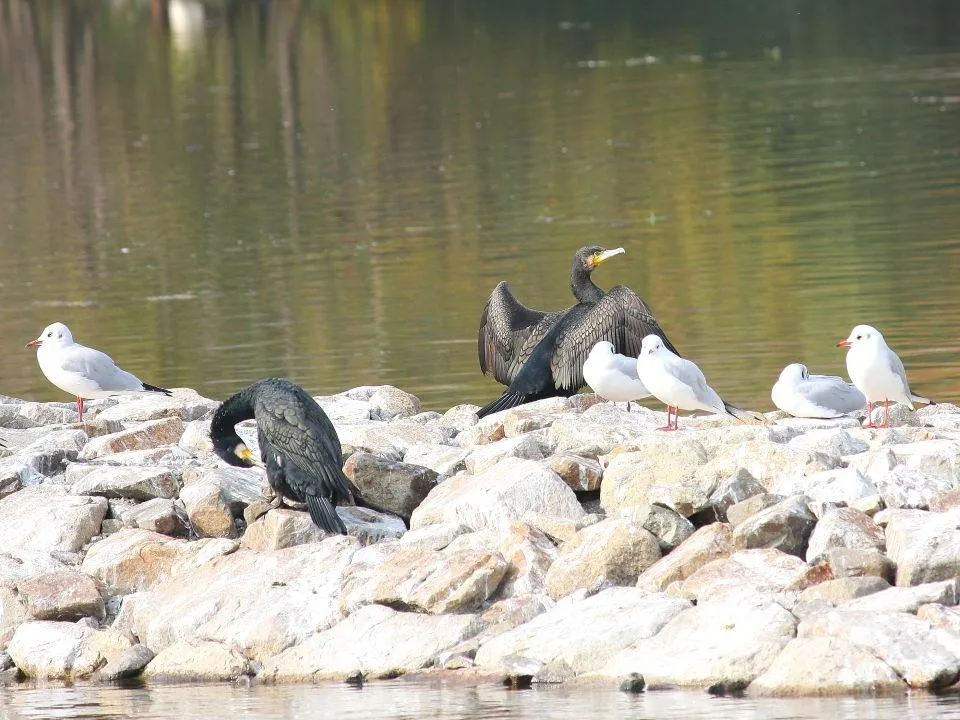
point(539, 355)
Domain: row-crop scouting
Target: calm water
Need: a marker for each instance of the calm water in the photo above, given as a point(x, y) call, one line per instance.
point(406, 700)
point(329, 190)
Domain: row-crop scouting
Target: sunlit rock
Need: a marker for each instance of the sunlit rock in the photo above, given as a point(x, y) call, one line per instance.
point(583, 634)
point(48, 518)
point(117, 481)
point(393, 487)
point(197, 660)
point(729, 641)
point(826, 666)
point(843, 527)
point(744, 573)
point(613, 551)
point(185, 404)
point(145, 436)
point(66, 595)
point(60, 650)
point(484, 457)
point(785, 526)
point(922, 656)
point(907, 599)
point(375, 641)
point(709, 543)
point(924, 546)
point(500, 495)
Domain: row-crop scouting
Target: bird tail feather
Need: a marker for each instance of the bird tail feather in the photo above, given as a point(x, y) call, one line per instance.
point(922, 400)
point(743, 415)
point(324, 515)
point(154, 388)
point(504, 402)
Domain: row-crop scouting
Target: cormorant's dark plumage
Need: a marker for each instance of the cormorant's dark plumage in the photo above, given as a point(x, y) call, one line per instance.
point(539, 355)
point(298, 445)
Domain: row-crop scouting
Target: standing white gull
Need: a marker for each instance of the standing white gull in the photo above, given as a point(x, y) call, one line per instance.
point(613, 376)
point(81, 371)
point(815, 396)
point(877, 372)
point(676, 382)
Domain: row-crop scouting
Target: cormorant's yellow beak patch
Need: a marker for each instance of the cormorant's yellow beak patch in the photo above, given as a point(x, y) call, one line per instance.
point(606, 255)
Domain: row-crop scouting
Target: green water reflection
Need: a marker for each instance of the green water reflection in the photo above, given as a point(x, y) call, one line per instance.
point(218, 192)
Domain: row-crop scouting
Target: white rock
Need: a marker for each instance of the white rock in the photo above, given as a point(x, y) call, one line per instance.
point(257, 602)
point(433, 537)
point(901, 640)
point(497, 497)
point(185, 404)
point(442, 459)
point(832, 441)
point(375, 641)
point(746, 573)
point(843, 527)
point(836, 486)
point(484, 457)
point(907, 487)
point(118, 481)
point(925, 546)
point(238, 486)
point(907, 599)
point(197, 660)
point(583, 634)
point(54, 650)
point(826, 666)
point(47, 518)
point(715, 641)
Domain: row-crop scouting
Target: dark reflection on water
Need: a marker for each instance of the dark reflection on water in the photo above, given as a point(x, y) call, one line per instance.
point(414, 700)
point(329, 190)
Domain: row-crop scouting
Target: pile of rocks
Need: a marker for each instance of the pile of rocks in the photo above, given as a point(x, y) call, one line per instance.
point(565, 540)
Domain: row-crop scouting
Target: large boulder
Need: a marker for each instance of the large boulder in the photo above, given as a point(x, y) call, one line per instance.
point(393, 487)
point(48, 518)
point(497, 497)
point(584, 634)
point(375, 641)
point(60, 650)
point(612, 551)
point(145, 436)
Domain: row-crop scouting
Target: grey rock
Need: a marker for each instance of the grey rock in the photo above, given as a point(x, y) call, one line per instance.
point(907, 599)
point(668, 526)
point(393, 487)
point(840, 590)
point(370, 526)
point(580, 473)
point(158, 515)
point(389, 403)
point(127, 665)
point(843, 527)
point(111, 481)
point(708, 543)
point(734, 489)
point(66, 595)
point(238, 486)
point(738, 512)
point(907, 644)
point(826, 666)
point(785, 526)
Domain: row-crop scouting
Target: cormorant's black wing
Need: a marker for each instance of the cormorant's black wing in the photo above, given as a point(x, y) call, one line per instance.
point(508, 332)
point(298, 429)
point(620, 317)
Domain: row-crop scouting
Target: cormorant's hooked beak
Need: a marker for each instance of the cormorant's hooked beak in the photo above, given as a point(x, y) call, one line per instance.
point(843, 343)
point(34, 343)
point(607, 254)
point(246, 454)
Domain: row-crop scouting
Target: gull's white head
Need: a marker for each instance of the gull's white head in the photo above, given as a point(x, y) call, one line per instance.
point(794, 373)
point(602, 349)
point(652, 345)
point(862, 336)
point(56, 334)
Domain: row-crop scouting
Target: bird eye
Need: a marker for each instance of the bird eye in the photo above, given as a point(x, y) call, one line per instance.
point(859, 337)
point(49, 334)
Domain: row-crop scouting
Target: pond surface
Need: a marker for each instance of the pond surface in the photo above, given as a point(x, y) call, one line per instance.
point(413, 700)
point(214, 193)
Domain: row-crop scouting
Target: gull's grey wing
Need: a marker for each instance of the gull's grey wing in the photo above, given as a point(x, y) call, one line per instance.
point(100, 368)
point(896, 366)
point(833, 393)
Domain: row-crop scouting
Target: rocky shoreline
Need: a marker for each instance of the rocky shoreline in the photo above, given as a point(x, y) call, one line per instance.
point(562, 541)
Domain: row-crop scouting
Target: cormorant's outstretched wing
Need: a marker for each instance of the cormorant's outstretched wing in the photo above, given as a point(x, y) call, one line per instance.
point(508, 332)
point(620, 317)
point(298, 429)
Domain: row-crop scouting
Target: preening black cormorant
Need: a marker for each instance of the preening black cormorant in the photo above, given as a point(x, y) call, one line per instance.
point(539, 355)
point(298, 445)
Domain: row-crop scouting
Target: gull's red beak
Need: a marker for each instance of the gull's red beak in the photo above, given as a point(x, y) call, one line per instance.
point(843, 343)
point(33, 343)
